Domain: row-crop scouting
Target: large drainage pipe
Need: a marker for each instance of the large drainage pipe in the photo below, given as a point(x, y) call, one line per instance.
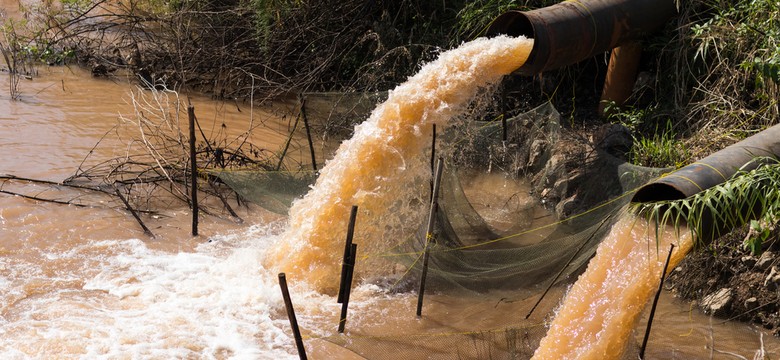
point(574, 30)
point(713, 170)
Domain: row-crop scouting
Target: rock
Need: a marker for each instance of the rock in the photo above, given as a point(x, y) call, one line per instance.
point(615, 139)
point(751, 303)
point(566, 207)
point(560, 186)
point(719, 302)
point(749, 261)
point(537, 155)
point(772, 281)
point(765, 261)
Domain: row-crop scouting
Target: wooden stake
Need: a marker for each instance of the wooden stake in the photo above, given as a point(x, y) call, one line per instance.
point(655, 302)
point(433, 158)
point(503, 109)
point(308, 132)
point(193, 171)
point(291, 316)
point(347, 254)
point(348, 287)
point(429, 233)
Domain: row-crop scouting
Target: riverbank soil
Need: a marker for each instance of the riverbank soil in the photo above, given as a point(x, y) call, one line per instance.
point(729, 282)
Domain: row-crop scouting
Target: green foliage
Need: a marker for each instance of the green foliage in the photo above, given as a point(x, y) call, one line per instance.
point(270, 12)
point(630, 117)
point(767, 69)
point(759, 234)
point(748, 197)
point(475, 16)
point(662, 149)
point(79, 4)
point(736, 27)
point(27, 44)
point(733, 65)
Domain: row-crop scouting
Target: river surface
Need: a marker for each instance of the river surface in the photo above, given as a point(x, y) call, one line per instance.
point(85, 282)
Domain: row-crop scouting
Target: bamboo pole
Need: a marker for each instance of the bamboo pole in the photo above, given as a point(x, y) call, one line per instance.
point(433, 158)
point(289, 139)
point(308, 131)
point(655, 302)
point(573, 256)
point(193, 170)
point(429, 233)
point(347, 254)
point(135, 215)
point(348, 287)
point(291, 316)
point(503, 110)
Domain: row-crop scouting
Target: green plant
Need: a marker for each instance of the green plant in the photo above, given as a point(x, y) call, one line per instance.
point(630, 117)
point(751, 197)
point(269, 12)
point(475, 16)
point(735, 61)
point(662, 149)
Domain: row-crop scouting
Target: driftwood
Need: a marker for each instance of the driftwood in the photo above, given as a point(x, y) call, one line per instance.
point(116, 193)
point(135, 214)
point(42, 199)
point(157, 168)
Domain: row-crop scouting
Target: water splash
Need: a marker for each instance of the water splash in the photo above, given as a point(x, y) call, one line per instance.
point(601, 309)
point(376, 168)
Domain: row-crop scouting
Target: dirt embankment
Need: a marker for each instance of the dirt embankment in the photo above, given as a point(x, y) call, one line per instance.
point(724, 279)
point(731, 283)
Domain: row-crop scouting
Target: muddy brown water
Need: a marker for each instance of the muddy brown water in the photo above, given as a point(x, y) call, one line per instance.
point(86, 282)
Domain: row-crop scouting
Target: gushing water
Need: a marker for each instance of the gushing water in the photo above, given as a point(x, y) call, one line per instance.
point(376, 169)
point(600, 311)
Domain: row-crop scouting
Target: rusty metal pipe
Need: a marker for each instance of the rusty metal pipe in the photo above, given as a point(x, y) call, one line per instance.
point(574, 30)
point(713, 169)
point(621, 75)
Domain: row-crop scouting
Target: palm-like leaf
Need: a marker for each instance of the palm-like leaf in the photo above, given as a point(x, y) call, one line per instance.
point(748, 195)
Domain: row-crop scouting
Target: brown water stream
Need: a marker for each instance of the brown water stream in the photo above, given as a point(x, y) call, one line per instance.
point(86, 282)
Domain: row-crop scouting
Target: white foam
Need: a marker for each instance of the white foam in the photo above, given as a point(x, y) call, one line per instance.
point(144, 303)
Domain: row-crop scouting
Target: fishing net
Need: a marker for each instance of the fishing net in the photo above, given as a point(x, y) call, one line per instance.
point(336, 113)
point(328, 118)
point(497, 247)
point(489, 275)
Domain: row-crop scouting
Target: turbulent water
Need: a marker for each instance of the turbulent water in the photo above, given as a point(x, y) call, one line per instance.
point(600, 311)
point(85, 283)
point(79, 283)
point(377, 168)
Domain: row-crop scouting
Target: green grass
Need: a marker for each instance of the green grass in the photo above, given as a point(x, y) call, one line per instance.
point(751, 197)
point(662, 149)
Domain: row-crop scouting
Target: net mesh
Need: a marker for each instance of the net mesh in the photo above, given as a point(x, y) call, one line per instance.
point(495, 249)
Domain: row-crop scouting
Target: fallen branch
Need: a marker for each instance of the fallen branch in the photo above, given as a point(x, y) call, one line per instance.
point(43, 199)
point(135, 215)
